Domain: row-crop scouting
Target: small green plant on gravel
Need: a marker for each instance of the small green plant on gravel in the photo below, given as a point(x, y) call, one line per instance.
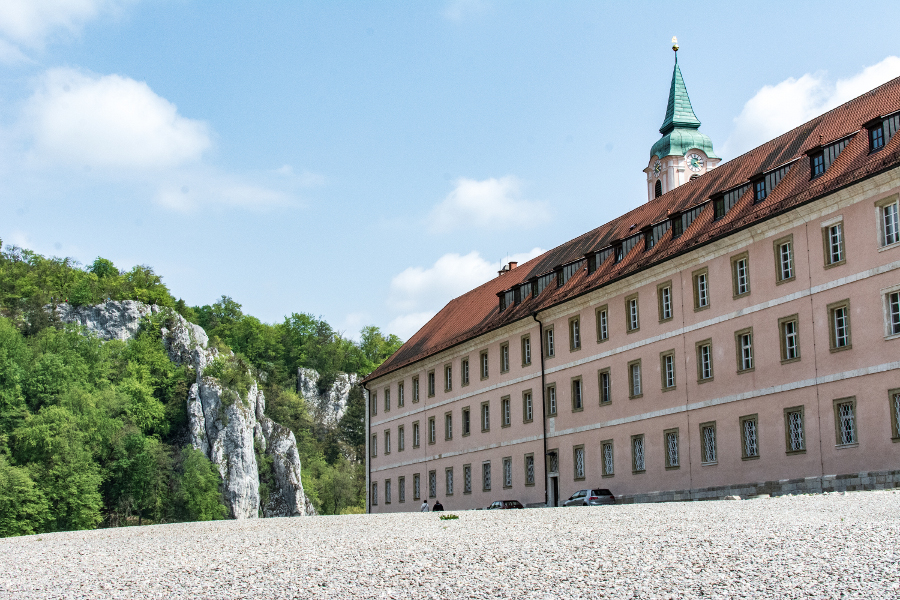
point(448, 517)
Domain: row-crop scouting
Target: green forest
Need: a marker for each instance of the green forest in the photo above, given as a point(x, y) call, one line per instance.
point(94, 433)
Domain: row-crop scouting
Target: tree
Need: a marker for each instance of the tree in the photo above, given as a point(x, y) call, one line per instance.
point(353, 422)
point(23, 508)
point(199, 487)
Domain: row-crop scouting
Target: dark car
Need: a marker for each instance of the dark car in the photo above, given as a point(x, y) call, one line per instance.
point(505, 504)
point(594, 497)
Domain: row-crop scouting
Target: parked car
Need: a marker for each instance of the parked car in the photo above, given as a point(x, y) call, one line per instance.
point(594, 497)
point(505, 504)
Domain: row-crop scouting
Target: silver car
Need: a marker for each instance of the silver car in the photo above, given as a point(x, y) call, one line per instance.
point(594, 497)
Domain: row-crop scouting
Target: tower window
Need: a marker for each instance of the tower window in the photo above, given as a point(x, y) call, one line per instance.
point(657, 190)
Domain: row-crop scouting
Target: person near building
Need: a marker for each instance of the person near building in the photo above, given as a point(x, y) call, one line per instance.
point(438, 507)
point(424, 507)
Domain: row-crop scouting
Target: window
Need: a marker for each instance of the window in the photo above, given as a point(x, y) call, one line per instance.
point(604, 383)
point(578, 459)
point(670, 438)
point(431, 384)
point(387, 399)
point(373, 447)
point(432, 484)
point(466, 421)
point(740, 275)
point(448, 426)
point(723, 204)
point(526, 350)
point(551, 400)
point(577, 398)
point(833, 244)
point(464, 371)
point(448, 481)
point(784, 259)
point(637, 454)
point(432, 433)
point(892, 313)
point(504, 358)
point(401, 399)
point(876, 138)
point(549, 348)
point(484, 364)
point(602, 323)
point(664, 301)
point(527, 407)
point(448, 378)
point(401, 438)
point(387, 491)
point(373, 404)
point(839, 324)
point(632, 317)
point(606, 452)
point(417, 487)
point(657, 189)
point(486, 476)
point(894, 400)
point(415, 427)
point(759, 191)
point(789, 331)
point(467, 479)
point(505, 412)
point(387, 441)
point(701, 288)
point(553, 462)
point(507, 472)
point(634, 379)
point(485, 416)
point(667, 370)
point(794, 434)
point(704, 361)
point(708, 443)
point(574, 334)
point(415, 384)
point(374, 493)
point(845, 421)
point(401, 489)
point(749, 437)
point(818, 164)
point(743, 341)
point(529, 469)
point(889, 221)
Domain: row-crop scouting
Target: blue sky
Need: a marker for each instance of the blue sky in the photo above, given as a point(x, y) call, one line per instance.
point(368, 161)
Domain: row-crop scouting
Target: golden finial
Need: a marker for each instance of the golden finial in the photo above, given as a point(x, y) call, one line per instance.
point(674, 43)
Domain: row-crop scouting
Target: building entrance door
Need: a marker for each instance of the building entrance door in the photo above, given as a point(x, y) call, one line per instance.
point(553, 491)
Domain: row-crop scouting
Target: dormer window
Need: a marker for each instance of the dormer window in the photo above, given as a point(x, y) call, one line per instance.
point(656, 232)
point(542, 282)
point(764, 187)
point(821, 158)
point(724, 203)
point(881, 131)
point(818, 164)
point(759, 191)
point(565, 274)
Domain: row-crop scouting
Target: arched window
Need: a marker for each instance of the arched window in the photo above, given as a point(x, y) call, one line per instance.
point(658, 189)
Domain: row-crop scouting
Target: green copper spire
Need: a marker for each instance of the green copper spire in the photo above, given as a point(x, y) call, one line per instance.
point(680, 126)
point(679, 112)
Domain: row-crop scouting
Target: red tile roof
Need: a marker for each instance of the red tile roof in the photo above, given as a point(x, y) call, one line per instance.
point(478, 311)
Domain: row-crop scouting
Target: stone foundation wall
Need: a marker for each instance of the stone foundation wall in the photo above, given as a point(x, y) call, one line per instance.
point(872, 480)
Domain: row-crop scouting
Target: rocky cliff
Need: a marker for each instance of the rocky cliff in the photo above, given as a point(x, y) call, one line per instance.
point(225, 425)
point(328, 404)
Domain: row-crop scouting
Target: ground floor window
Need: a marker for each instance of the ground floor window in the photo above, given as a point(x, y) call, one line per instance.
point(432, 484)
point(401, 489)
point(416, 487)
point(708, 443)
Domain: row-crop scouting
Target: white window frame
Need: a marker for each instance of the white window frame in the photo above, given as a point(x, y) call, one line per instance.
point(891, 300)
point(551, 400)
point(550, 347)
point(888, 222)
point(602, 324)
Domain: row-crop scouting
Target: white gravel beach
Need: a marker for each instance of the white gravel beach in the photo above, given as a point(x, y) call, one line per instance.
point(821, 546)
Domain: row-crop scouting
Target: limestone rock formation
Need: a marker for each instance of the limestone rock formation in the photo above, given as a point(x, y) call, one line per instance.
point(223, 425)
point(329, 404)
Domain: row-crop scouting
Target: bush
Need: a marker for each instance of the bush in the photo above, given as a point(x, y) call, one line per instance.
point(199, 487)
point(353, 510)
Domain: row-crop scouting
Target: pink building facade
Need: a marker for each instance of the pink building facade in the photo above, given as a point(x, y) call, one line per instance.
point(753, 347)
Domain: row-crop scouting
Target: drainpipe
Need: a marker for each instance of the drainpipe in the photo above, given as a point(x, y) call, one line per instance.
point(543, 407)
point(368, 451)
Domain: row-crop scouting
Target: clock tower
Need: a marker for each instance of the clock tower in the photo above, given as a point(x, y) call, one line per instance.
point(682, 153)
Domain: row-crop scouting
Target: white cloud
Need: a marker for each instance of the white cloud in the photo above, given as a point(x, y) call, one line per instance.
point(776, 109)
point(419, 290)
point(110, 121)
point(304, 178)
point(189, 190)
point(31, 22)
point(405, 326)
point(10, 53)
point(493, 203)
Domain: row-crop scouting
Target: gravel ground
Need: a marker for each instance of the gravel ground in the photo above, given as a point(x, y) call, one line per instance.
point(824, 546)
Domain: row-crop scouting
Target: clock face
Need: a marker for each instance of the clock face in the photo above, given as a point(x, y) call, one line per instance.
point(657, 168)
point(695, 162)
